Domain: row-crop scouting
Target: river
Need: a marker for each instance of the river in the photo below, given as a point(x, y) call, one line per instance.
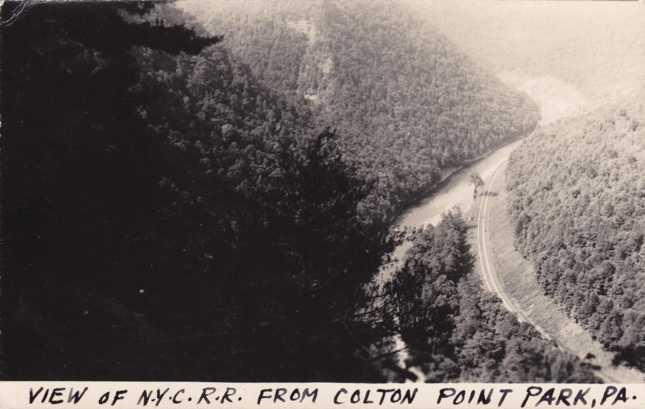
point(455, 191)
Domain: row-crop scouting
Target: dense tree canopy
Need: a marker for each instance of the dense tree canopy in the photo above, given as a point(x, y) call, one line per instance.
point(408, 104)
point(578, 208)
point(165, 211)
point(169, 216)
point(456, 331)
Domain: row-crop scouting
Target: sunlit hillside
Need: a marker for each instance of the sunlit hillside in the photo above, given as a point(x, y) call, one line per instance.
point(577, 192)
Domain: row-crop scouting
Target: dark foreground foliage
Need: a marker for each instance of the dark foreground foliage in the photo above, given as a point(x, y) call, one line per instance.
point(456, 331)
point(168, 217)
point(578, 207)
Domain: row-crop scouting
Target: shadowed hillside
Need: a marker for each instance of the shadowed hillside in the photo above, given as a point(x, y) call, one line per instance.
point(406, 101)
point(164, 210)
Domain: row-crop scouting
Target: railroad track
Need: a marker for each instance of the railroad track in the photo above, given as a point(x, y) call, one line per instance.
point(494, 284)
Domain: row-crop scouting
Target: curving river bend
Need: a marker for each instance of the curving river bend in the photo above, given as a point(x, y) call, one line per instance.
point(456, 191)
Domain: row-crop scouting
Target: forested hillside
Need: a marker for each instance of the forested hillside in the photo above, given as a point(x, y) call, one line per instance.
point(176, 209)
point(406, 102)
point(456, 331)
point(165, 211)
point(578, 206)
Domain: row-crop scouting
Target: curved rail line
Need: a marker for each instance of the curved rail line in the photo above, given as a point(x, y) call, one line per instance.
point(494, 284)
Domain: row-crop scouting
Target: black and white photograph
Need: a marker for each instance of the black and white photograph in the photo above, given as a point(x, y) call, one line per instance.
point(355, 191)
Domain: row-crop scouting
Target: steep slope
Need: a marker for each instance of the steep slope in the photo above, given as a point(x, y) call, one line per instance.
point(577, 201)
point(181, 220)
point(408, 104)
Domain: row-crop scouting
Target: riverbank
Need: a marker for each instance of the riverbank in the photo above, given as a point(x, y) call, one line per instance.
point(454, 190)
